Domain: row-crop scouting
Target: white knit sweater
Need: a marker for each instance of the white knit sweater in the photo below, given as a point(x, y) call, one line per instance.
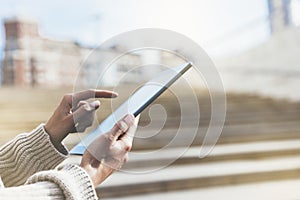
point(27, 170)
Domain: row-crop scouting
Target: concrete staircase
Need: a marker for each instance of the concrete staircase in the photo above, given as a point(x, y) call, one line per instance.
point(257, 155)
point(260, 142)
point(227, 165)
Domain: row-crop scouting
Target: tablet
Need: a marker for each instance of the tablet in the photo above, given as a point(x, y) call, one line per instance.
point(135, 104)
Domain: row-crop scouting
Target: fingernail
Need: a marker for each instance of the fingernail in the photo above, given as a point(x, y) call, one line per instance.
point(129, 119)
point(95, 104)
point(123, 126)
point(114, 94)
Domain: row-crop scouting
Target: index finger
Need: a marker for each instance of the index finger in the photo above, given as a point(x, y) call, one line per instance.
point(92, 93)
point(105, 94)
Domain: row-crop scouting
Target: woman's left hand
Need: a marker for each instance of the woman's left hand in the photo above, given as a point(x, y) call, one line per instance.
point(110, 150)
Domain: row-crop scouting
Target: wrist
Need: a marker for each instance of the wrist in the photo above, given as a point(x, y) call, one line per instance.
point(54, 141)
point(97, 173)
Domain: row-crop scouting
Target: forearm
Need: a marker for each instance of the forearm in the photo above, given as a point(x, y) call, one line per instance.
point(27, 154)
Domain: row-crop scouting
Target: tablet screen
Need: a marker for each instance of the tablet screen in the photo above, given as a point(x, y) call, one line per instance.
point(136, 103)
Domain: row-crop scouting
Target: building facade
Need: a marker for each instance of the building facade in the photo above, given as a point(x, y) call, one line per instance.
point(33, 60)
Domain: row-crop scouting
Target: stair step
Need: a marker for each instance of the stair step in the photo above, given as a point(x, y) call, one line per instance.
point(230, 133)
point(221, 152)
point(275, 190)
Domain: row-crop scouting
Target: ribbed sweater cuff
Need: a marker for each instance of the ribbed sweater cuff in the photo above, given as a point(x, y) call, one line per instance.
point(62, 151)
point(71, 179)
point(27, 154)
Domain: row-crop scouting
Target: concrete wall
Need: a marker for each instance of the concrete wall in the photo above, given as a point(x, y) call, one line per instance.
point(272, 68)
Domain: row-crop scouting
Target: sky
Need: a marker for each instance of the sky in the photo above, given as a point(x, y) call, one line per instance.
point(221, 27)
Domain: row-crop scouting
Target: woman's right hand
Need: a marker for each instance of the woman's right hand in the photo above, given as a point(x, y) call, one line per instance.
point(110, 150)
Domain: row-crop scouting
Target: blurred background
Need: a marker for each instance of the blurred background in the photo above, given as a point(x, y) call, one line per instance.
point(254, 45)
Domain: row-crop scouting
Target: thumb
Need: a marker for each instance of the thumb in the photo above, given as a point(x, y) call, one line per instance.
point(120, 127)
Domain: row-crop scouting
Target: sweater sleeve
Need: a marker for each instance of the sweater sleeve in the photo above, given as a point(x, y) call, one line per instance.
point(36, 191)
point(72, 180)
point(27, 154)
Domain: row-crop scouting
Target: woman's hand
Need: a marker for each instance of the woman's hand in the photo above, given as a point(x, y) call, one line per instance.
point(110, 150)
point(74, 114)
